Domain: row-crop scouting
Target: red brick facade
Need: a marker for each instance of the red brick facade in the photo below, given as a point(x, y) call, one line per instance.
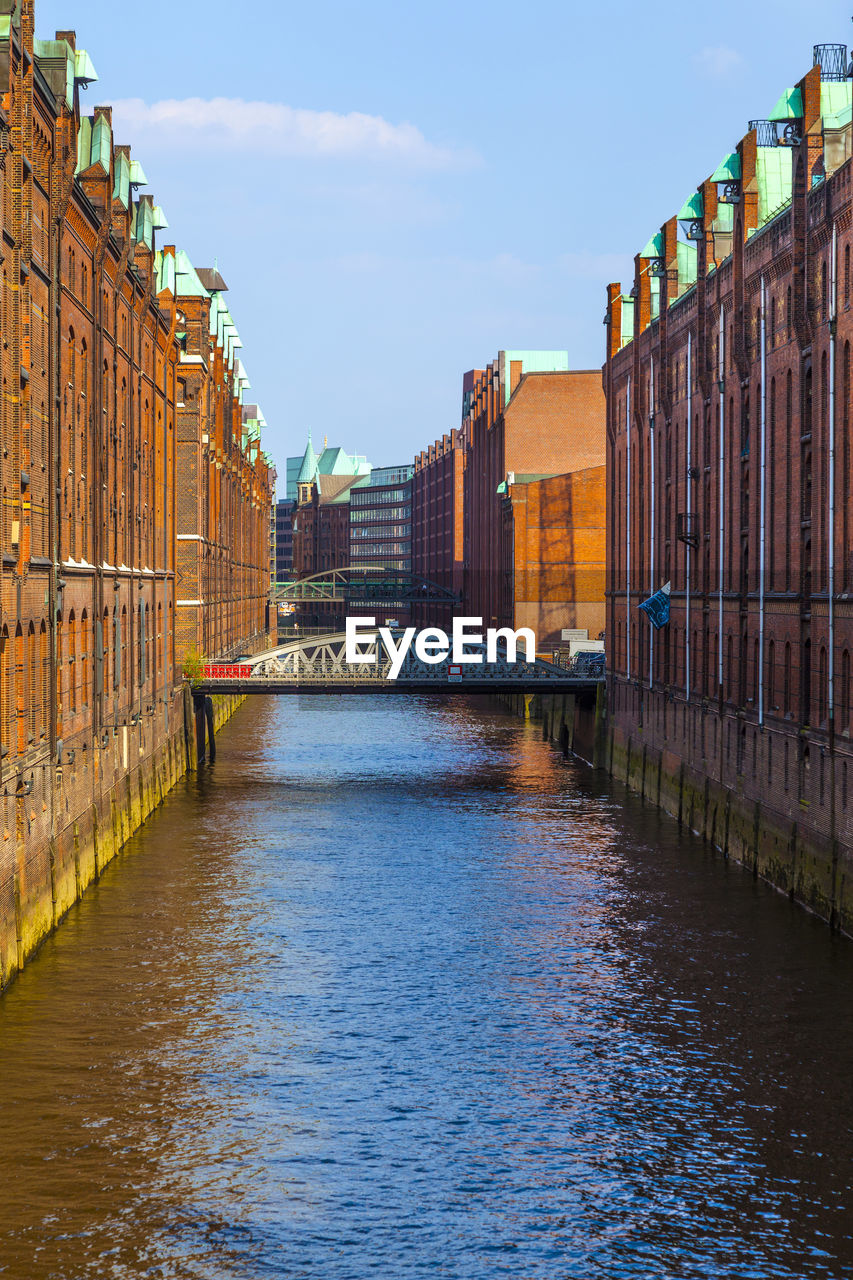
point(90, 701)
point(437, 524)
point(552, 555)
point(526, 425)
point(729, 472)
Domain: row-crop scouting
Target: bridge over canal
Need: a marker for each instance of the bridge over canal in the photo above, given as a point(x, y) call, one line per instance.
point(318, 665)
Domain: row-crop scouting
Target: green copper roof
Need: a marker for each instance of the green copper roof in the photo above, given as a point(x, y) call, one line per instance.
point(653, 247)
point(102, 143)
point(94, 144)
point(161, 222)
point(55, 56)
point(774, 169)
point(84, 70)
point(308, 470)
point(693, 207)
point(185, 280)
point(728, 170)
point(687, 263)
point(654, 291)
point(137, 174)
point(627, 328)
point(836, 103)
point(164, 273)
point(84, 144)
point(789, 106)
point(121, 186)
point(143, 226)
point(725, 219)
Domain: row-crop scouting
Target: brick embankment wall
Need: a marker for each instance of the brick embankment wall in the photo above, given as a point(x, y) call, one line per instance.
point(784, 849)
point(57, 839)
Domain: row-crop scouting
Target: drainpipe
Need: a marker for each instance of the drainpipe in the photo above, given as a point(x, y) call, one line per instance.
point(833, 286)
point(651, 510)
point(628, 532)
point(762, 540)
point(721, 383)
point(687, 530)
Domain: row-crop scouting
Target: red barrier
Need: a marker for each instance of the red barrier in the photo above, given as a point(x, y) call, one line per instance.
point(227, 671)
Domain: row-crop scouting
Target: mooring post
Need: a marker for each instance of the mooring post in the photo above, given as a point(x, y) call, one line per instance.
point(198, 707)
point(211, 728)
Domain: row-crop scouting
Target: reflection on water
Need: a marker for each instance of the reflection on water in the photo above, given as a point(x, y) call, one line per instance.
point(393, 990)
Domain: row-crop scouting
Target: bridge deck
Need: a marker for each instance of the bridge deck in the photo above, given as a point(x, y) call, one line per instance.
point(318, 665)
point(441, 688)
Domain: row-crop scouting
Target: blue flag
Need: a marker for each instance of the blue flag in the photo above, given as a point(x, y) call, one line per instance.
point(657, 607)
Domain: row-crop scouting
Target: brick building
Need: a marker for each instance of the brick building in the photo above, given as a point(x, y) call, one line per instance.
point(223, 477)
point(91, 710)
point(527, 415)
point(437, 524)
point(380, 515)
point(729, 469)
point(321, 524)
point(283, 539)
point(552, 556)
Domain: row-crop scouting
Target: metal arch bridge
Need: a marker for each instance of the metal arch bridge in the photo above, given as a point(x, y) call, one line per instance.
point(318, 665)
point(363, 586)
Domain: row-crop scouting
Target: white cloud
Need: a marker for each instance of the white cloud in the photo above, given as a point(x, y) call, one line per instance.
point(285, 130)
point(718, 60)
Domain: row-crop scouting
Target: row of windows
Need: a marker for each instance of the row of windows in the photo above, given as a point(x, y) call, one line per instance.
point(403, 512)
point(791, 687)
point(373, 531)
point(373, 498)
point(381, 549)
point(81, 654)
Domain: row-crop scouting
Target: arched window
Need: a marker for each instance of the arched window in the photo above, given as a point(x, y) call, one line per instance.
point(822, 689)
point(8, 737)
point(806, 683)
point(770, 683)
point(116, 646)
point(786, 686)
point(85, 650)
point(45, 676)
point(124, 672)
point(32, 683)
point(107, 651)
point(73, 673)
point(60, 666)
point(844, 707)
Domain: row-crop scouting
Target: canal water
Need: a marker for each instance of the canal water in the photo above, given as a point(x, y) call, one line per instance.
point(393, 990)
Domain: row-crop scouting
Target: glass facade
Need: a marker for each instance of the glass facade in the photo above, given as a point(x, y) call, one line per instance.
point(283, 539)
point(381, 520)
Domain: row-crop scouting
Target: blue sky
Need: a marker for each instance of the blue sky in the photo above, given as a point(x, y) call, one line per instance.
point(394, 192)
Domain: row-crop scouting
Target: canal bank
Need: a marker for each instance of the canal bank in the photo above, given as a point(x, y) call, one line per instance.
point(66, 821)
point(736, 816)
